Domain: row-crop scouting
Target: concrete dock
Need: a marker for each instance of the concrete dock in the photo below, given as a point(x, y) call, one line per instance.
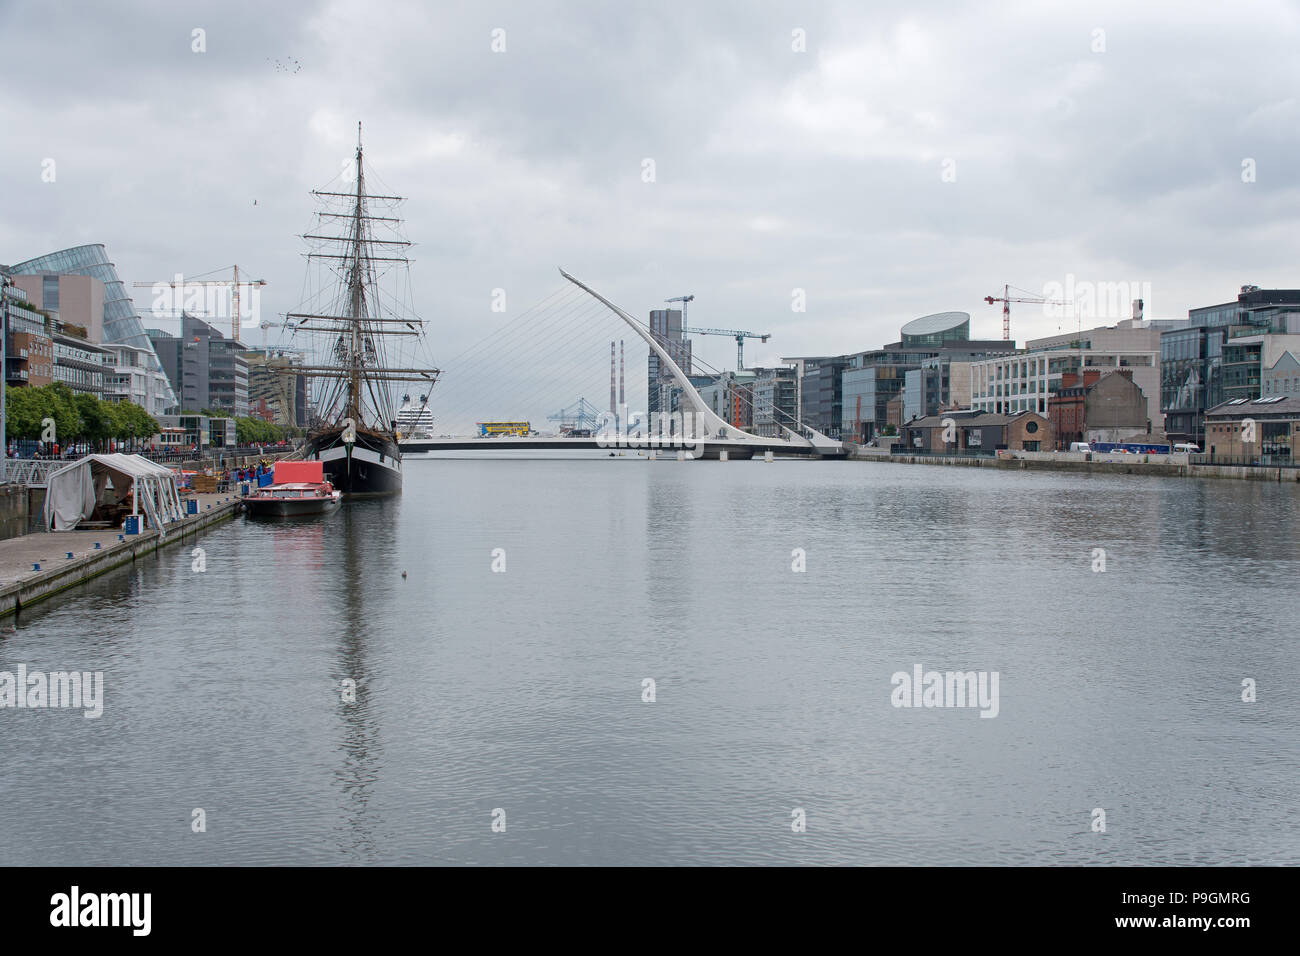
point(21, 585)
point(1100, 463)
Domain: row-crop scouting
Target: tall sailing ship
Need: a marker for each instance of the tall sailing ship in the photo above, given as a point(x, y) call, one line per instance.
point(358, 318)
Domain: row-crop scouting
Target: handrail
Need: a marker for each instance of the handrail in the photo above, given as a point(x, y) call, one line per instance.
point(32, 472)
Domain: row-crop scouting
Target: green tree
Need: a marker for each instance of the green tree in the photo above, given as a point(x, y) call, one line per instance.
point(254, 431)
point(58, 402)
point(143, 424)
point(94, 419)
point(23, 412)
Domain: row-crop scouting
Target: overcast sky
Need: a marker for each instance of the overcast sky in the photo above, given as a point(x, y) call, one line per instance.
point(911, 159)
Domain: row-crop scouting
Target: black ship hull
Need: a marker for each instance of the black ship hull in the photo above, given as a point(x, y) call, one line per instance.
point(370, 466)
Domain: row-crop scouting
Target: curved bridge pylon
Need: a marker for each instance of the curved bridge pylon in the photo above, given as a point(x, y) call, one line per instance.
point(706, 426)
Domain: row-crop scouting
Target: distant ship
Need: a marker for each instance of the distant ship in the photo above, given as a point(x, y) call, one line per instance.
point(358, 325)
point(414, 422)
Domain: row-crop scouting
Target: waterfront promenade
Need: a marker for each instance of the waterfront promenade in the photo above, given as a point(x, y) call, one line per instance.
point(22, 585)
point(1163, 466)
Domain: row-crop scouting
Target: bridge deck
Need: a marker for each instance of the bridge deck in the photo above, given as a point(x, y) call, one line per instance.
point(710, 447)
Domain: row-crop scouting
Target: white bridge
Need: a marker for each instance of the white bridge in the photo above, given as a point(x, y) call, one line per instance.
point(695, 432)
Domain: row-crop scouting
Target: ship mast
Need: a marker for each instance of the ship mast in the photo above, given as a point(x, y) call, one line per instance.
point(354, 378)
point(355, 324)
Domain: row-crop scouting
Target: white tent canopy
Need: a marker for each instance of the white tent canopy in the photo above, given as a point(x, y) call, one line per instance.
point(72, 492)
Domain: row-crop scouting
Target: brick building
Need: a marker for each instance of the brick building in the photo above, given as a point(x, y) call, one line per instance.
point(979, 431)
point(1095, 405)
point(1260, 428)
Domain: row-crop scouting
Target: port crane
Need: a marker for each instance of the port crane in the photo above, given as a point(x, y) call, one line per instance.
point(581, 416)
point(1006, 299)
point(234, 287)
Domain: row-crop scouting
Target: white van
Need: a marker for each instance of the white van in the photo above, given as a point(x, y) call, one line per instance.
point(1188, 447)
point(1080, 446)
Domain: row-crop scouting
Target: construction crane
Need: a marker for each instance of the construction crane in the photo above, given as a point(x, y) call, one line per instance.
point(234, 285)
point(737, 334)
point(1006, 299)
point(683, 299)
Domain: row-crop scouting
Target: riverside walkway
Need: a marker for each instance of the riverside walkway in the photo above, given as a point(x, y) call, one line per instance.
point(22, 585)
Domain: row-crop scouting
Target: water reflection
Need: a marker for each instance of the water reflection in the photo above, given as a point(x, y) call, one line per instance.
point(522, 690)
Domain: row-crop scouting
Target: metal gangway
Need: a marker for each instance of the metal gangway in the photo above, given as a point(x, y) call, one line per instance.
point(32, 472)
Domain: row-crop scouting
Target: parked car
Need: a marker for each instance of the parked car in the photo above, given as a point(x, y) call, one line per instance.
point(1080, 446)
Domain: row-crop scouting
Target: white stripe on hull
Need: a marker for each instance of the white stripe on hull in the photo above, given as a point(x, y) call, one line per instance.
point(361, 454)
point(369, 475)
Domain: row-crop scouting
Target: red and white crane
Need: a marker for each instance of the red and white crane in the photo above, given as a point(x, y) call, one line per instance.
point(1006, 299)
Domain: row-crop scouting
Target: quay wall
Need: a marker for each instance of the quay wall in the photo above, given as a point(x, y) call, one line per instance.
point(38, 586)
point(1168, 466)
point(13, 511)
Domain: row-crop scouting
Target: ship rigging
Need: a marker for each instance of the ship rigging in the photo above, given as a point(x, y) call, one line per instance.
point(358, 321)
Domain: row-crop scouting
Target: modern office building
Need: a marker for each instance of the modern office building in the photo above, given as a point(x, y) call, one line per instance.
point(1221, 354)
point(282, 393)
point(118, 322)
point(130, 376)
point(196, 433)
point(940, 383)
point(874, 378)
point(821, 393)
point(775, 403)
point(661, 391)
point(206, 369)
point(79, 364)
point(849, 396)
point(1249, 356)
point(1025, 381)
point(730, 396)
point(29, 350)
point(76, 301)
point(866, 392)
point(1283, 378)
point(935, 331)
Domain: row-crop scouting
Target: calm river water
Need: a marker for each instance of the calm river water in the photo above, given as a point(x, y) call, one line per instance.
point(517, 695)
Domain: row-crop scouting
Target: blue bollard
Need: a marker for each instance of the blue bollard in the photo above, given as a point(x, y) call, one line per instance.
point(96, 545)
point(36, 566)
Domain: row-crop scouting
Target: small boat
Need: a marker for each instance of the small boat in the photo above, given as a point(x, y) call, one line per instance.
point(297, 489)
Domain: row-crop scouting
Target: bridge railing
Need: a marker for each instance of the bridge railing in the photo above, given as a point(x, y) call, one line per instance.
point(33, 472)
point(1253, 461)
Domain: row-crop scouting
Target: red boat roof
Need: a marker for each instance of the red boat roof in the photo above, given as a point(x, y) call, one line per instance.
point(297, 471)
